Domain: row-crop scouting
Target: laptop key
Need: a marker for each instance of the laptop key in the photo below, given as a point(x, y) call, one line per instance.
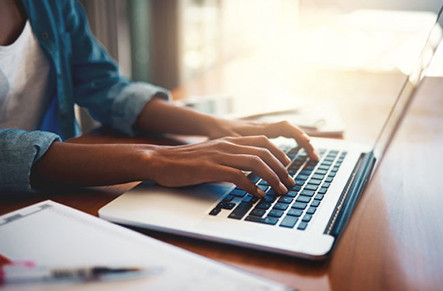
point(329, 179)
point(228, 198)
point(286, 200)
point(326, 185)
point(250, 199)
point(271, 192)
point(299, 205)
point(307, 218)
point(266, 220)
point(311, 210)
point(268, 198)
point(315, 203)
point(314, 182)
point(240, 210)
point(258, 212)
point(302, 226)
point(238, 193)
point(303, 199)
point(215, 211)
point(309, 167)
point(302, 177)
point(308, 193)
point(318, 177)
point(311, 187)
point(263, 205)
point(263, 182)
point(289, 221)
point(226, 205)
point(292, 172)
point(280, 206)
point(253, 178)
point(306, 172)
point(322, 190)
point(263, 187)
point(276, 213)
point(290, 194)
point(319, 196)
point(299, 182)
point(295, 212)
point(320, 172)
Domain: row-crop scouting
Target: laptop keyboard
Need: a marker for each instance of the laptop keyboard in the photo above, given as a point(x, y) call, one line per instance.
point(296, 208)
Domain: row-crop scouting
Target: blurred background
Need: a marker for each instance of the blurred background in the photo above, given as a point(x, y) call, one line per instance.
point(257, 56)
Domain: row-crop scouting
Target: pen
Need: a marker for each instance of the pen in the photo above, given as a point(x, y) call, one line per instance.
point(19, 273)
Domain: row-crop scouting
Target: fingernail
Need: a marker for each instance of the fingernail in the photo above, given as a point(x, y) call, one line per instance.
point(288, 160)
point(283, 189)
point(317, 157)
point(261, 193)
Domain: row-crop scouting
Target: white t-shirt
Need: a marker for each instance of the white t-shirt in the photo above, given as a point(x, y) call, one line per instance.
point(24, 71)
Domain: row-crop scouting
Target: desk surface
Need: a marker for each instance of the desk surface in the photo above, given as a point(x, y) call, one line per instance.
point(394, 240)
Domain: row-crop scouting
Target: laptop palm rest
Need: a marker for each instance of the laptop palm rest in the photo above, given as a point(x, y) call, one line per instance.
point(160, 207)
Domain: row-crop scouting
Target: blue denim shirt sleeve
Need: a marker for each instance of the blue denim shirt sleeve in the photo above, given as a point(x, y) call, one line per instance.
point(97, 81)
point(83, 73)
point(19, 150)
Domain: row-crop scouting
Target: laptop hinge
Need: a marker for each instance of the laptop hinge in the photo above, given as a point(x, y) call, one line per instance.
point(351, 193)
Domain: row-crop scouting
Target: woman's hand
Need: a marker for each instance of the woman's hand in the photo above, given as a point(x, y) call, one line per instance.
point(223, 128)
point(163, 117)
point(221, 160)
point(212, 161)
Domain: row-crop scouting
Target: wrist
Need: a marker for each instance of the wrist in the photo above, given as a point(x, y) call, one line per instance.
point(210, 124)
point(141, 163)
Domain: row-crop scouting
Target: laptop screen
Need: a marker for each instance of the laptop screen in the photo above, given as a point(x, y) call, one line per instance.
point(408, 89)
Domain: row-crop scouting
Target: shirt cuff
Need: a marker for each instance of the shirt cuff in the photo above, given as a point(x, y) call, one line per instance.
point(130, 102)
point(19, 151)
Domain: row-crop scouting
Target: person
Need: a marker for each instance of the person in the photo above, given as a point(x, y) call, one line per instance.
point(49, 61)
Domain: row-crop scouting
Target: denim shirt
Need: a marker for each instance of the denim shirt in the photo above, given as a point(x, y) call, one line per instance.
point(81, 72)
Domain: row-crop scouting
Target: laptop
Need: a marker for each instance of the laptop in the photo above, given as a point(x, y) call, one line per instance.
point(306, 222)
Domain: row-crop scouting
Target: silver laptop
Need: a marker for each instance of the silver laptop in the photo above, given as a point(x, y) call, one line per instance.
point(306, 222)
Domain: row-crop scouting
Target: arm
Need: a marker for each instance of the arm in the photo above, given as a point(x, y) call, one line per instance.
point(222, 159)
point(158, 115)
point(172, 166)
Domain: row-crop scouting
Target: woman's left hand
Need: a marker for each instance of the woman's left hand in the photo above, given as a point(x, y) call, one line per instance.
point(225, 128)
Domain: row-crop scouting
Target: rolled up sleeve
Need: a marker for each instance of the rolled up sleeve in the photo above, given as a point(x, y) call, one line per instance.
point(129, 102)
point(19, 151)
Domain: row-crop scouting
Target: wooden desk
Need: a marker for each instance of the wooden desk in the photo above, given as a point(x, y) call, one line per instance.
point(394, 240)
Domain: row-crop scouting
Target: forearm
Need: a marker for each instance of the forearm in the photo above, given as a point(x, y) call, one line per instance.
point(160, 116)
point(91, 165)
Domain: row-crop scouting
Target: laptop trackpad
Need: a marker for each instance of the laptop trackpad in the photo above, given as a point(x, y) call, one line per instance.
point(161, 206)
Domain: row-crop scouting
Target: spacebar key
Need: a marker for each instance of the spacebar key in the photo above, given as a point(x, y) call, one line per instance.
point(240, 210)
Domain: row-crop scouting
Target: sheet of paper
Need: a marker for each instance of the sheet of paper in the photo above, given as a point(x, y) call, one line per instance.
point(58, 236)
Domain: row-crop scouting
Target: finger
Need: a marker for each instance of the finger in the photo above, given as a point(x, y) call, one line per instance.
point(237, 177)
point(260, 168)
point(263, 142)
point(268, 158)
point(288, 130)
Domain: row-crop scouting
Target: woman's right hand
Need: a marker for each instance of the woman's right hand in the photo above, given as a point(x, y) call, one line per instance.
point(220, 160)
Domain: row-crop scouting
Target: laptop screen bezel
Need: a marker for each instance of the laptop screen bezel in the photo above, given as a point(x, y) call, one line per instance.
point(407, 91)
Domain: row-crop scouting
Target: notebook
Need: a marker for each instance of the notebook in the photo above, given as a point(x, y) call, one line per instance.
point(57, 236)
point(306, 222)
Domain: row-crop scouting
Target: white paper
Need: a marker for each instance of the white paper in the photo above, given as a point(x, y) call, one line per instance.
point(58, 236)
